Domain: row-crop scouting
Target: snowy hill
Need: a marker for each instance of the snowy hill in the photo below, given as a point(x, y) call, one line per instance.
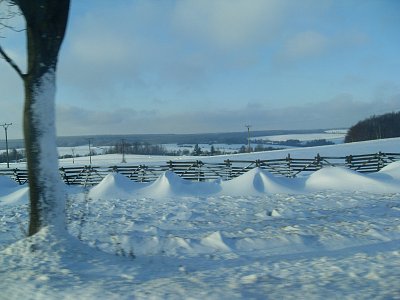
point(332, 234)
point(385, 145)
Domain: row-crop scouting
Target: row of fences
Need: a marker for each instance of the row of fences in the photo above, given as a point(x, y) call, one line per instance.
point(205, 171)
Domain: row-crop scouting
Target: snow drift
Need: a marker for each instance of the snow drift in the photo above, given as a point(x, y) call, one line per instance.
point(333, 234)
point(258, 181)
point(170, 184)
point(113, 186)
point(339, 178)
point(254, 182)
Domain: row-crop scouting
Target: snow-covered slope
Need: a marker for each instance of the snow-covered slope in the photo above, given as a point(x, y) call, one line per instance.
point(367, 147)
point(255, 182)
point(332, 234)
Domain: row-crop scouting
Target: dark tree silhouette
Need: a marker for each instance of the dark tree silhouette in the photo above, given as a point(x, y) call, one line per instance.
point(46, 22)
point(375, 127)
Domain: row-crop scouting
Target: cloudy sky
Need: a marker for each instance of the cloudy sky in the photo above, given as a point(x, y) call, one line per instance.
point(189, 66)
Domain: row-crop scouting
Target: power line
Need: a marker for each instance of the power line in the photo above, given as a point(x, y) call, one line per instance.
point(123, 150)
point(5, 126)
point(90, 152)
point(248, 137)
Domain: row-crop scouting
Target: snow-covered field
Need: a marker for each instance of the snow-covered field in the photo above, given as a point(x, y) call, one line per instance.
point(336, 136)
point(333, 234)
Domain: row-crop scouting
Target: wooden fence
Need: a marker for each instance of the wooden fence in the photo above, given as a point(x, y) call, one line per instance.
point(205, 171)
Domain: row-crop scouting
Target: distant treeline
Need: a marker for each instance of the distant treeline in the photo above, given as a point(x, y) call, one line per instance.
point(13, 156)
point(158, 139)
point(297, 143)
point(375, 127)
point(149, 149)
point(139, 148)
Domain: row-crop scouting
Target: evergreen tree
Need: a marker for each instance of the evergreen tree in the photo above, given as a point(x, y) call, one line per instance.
point(375, 127)
point(197, 150)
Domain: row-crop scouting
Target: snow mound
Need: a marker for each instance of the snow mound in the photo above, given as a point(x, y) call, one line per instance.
point(258, 181)
point(7, 183)
point(170, 184)
point(392, 169)
point(16, 196)
point(114, 185)
point(51, 262)
point(215, 241)
point(11, 193)
point(339, 178)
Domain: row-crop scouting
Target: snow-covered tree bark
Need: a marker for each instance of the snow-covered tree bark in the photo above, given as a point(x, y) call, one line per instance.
point(46, 22)
point(46, 195)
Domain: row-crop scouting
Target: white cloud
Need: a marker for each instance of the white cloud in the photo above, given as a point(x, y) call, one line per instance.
point(305, 44)
point(340, 111)
point(74, 120)
point(228, 23)
point(213, 54)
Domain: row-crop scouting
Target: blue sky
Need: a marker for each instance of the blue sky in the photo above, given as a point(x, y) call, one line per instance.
point(188, 66)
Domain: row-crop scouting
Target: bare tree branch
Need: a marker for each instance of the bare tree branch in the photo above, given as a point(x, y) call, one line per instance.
point(8, 11)
point(2, 26)
point(12, 63)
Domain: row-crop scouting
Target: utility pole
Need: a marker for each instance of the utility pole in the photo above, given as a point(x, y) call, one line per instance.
point(248, 138)
point(5, 125)
point(90, 153)
point(73, 155)
point(123, 150)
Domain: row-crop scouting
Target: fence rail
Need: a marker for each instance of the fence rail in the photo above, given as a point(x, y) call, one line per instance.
point(204, 171)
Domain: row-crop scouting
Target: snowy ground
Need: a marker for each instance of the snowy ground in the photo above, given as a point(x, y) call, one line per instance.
point(336, 136)
point(333, 234)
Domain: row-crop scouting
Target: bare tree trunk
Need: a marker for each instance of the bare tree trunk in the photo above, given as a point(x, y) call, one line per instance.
point(45, 28)
point(46, 194)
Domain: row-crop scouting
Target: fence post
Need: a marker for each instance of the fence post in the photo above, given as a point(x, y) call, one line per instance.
point(16, 177)
point(228, 169)
point(142, 173)
point(64, 175)
point(88, 173)
point(200, 175)
point(349, 159)
point(170, 166)
point(258, 163)
point(288, 159)
point(318, 161)
point(381, 161)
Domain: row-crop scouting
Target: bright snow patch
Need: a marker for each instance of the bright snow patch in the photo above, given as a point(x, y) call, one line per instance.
point(392, 170)
point(170, 184)
point(114, 185)
point(332, 234)
point(254, 182)
point(258, 181)
point(338, 178)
